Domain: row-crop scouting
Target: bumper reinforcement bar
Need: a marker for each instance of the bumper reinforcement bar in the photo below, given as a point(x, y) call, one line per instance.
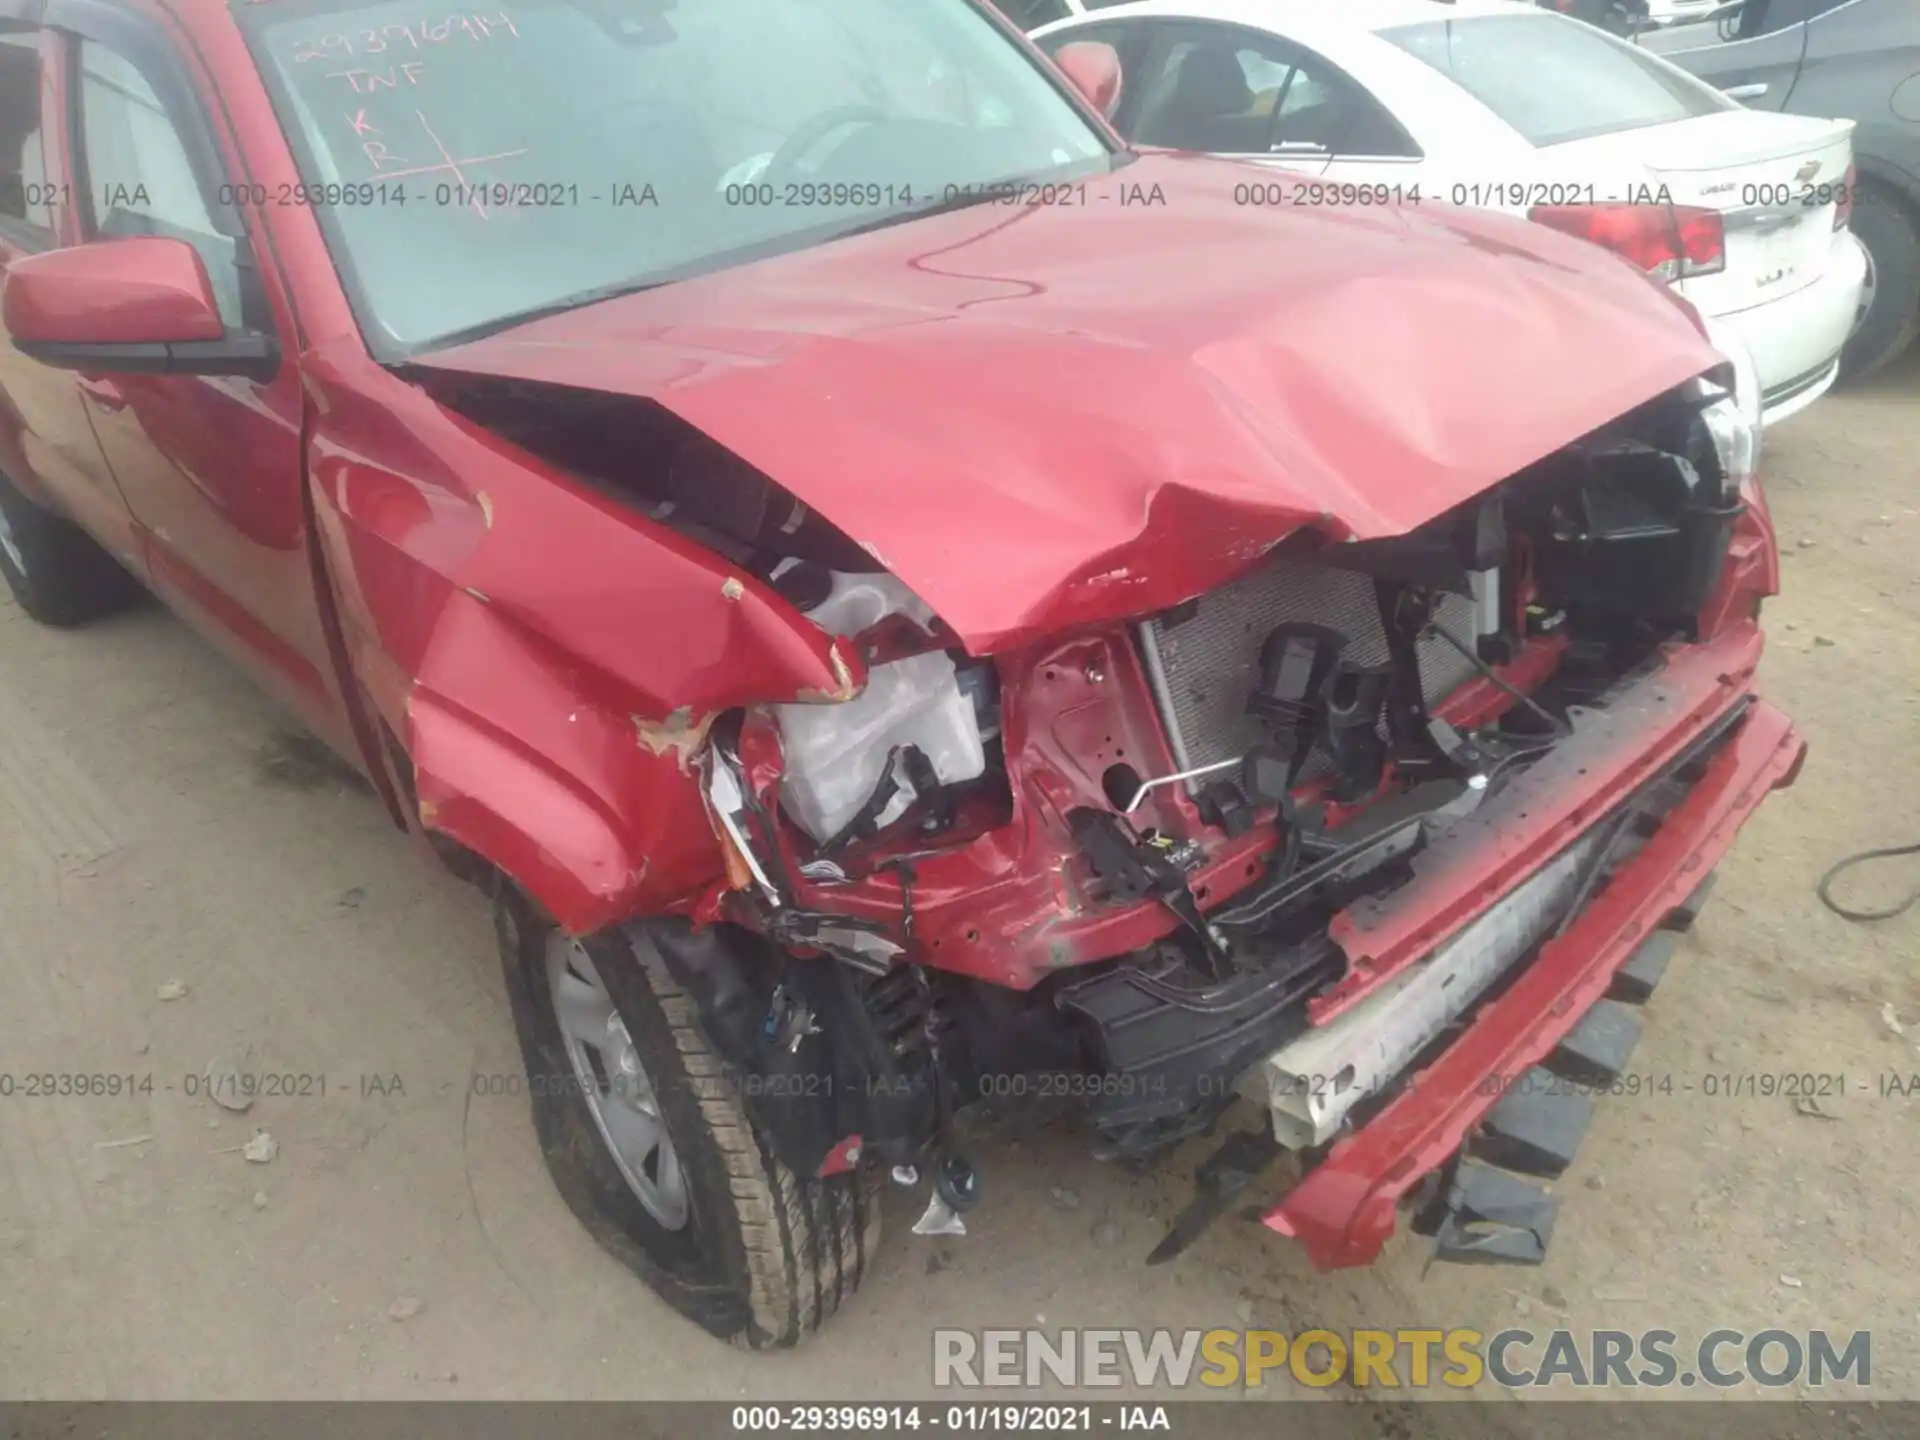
point(1344, 1210)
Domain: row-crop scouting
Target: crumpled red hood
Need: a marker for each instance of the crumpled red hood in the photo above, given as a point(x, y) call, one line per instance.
point(1039, 417)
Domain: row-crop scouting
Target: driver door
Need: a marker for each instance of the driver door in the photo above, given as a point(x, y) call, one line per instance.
point(47, 446)
point(210, 465)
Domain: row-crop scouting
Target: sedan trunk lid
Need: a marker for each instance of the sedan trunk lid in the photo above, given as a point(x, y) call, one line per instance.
point(1775, 179)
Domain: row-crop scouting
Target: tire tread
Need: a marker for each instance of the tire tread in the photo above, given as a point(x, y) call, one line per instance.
point(70, 579)
point(804, 1243)
point(1881, 340)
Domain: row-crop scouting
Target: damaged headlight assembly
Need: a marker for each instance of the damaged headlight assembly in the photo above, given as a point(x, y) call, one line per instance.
point(736, 813)
point(1731, 407)
point(856, 767)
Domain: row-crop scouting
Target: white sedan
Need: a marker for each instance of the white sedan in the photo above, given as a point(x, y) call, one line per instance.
point(1508, 107)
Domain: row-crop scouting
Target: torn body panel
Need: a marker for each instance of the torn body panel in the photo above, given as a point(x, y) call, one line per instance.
point(1181, 944)
point(1609, 753)
point(1344, 1211)
point(548, 658)
point(997, 901)
point(690, 618)
point(1117, 434)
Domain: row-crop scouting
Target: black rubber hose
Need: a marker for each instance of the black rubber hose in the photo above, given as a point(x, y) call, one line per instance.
point(1825, 887)
point(1513, 692)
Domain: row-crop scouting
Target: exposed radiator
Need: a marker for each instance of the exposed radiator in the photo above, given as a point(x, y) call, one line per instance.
point(1204, 667)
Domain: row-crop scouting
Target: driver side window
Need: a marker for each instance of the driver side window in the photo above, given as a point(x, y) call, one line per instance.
point(140, 178)
point(1208, 89)
point(25, 194)
point(1221, 89)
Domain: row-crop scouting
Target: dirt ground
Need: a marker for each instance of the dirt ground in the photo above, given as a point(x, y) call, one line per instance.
point(158, 824)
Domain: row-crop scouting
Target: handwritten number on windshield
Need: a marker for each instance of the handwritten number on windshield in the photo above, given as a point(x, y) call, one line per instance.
point(340, 45)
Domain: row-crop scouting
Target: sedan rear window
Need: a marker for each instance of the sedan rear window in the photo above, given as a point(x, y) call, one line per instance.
point(1555, 80)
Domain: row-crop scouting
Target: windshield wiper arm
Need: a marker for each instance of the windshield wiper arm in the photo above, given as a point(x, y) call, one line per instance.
point(977, 193)
point(963, 201)
point(579, 299)
point(965, 198)
point(582, 298)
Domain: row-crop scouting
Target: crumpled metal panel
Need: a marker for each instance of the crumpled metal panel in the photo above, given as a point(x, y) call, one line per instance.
point(1041, 418)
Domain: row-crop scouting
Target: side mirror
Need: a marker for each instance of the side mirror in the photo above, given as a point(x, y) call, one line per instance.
point(1094, 69)
point(138, 306)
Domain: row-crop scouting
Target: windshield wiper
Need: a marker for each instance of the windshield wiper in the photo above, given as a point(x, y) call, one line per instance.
point(978, 194)
point(773, 245)
point(963, 201)
point(580, 298)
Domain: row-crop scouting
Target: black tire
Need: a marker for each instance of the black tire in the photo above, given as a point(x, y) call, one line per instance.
point(1891, 233)
point(60, 576)
point(765, 1258)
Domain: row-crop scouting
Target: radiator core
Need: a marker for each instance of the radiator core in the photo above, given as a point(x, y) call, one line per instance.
point(1204, 666)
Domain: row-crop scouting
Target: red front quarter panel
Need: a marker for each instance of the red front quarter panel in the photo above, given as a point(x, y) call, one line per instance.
point(549, 658)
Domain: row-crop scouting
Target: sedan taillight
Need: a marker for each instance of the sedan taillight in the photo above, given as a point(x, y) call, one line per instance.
point(1670, 242)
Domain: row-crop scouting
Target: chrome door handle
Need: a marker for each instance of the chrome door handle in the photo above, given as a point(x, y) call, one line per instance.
point(1752, 91)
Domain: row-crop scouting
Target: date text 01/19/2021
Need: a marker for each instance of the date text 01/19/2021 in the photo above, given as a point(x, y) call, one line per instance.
point(961, 1419)
point(1710, 1085)
point(1064, 1084)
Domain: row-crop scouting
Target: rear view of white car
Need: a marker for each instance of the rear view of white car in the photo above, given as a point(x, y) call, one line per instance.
point(1508, 107)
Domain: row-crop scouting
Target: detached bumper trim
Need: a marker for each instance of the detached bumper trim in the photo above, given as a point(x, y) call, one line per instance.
point(1343, 1212)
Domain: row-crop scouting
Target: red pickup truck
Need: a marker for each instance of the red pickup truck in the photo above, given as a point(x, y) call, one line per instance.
point(898, 601)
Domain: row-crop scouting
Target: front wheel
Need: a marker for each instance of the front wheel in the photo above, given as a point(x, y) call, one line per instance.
point(1890, 306)
point(645, 1137)
point(57, 572)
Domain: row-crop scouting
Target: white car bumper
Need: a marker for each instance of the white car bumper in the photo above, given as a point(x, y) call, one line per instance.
point(1795, 341)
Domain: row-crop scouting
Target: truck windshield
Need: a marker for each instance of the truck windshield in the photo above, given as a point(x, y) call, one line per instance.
point(473, 169)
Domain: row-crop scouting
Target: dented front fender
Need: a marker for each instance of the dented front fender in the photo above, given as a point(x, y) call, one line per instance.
point(547, 657)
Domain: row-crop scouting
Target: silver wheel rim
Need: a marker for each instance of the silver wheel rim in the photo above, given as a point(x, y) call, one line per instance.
point(614, 1083)
point(9, 545)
